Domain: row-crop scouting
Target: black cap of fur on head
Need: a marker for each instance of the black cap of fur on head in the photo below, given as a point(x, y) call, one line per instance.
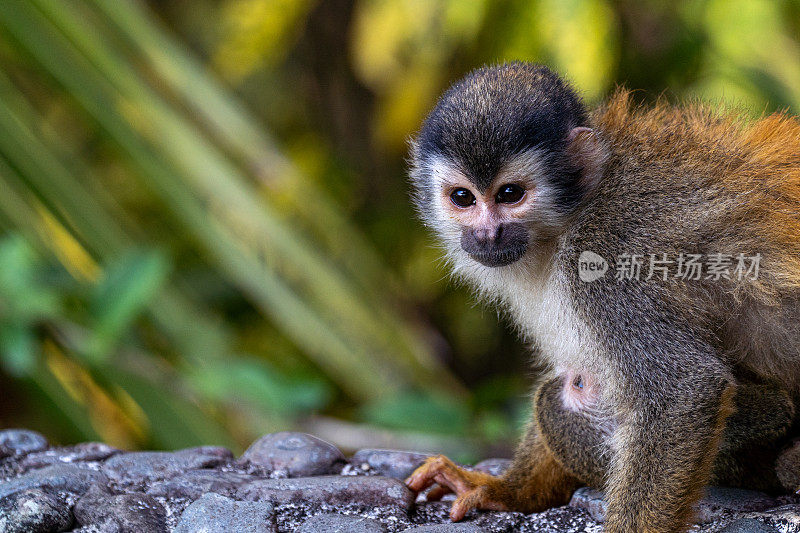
point(497, 112)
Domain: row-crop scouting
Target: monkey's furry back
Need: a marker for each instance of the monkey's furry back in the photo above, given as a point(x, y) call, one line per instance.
point(698, 180)
point(748, 172)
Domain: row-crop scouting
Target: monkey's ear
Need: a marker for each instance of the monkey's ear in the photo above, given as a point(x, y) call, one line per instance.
point(586, 152)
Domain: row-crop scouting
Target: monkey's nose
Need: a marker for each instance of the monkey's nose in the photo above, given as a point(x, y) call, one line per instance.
point(488, 235)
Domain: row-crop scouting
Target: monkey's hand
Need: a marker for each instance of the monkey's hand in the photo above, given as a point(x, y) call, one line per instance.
point(474, 490)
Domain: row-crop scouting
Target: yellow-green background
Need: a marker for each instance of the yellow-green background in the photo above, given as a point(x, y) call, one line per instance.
point(205, 232)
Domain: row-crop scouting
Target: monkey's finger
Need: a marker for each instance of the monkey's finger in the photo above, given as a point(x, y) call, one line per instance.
point(463, 505)
point(425, 476)
point(421, 479)
point(419, 483)
point(436, 493)
point(475, 499)
point(454, 480)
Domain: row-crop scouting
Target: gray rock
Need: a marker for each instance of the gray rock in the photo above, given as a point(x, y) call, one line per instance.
point(390, 463)
point(33, 511)
point(214, 513)
point(193, 485)
point(460, 527)
point(495, 467)
point(80, 453)
point(788, 512)
point(558, 519)
point(68, 478)
point(336, 523)
point(366, 491)
point(293, 455)
point(590, 500)
point(154, 491)
point(716, 502)
point(20, 441)
point(120, 513)
point(747, 525)
point(137, 468)
point(721, 500)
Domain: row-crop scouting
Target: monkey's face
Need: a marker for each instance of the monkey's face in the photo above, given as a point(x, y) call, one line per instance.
point(492, 223)
point(498, 166)
point(495, 223)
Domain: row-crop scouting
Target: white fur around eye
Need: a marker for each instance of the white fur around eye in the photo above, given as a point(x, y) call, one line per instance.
point(529, 168)
point(525, 167)
point(444, 177)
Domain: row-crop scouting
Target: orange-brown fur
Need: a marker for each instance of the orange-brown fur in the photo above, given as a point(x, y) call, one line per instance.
point(748, 172)
point(759, 160)
point(537, 482)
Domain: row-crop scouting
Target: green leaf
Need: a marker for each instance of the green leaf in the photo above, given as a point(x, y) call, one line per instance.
point(417, 411)
point(67, 410)
point(16, 261)
point(174, 421)
point(18, 348)
point(494, 426)
point(129, 285)
point(257, 382)
point(22, 298)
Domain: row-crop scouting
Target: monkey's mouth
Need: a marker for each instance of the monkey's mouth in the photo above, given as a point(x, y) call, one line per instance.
point(508, 244)
point(498, 258)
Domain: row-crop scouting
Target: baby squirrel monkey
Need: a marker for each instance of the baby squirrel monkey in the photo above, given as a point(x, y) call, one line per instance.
point(658, 383)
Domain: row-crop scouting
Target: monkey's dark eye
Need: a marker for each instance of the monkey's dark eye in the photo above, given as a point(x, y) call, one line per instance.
point(509, 194)
point(577, 383)
point(462, 197)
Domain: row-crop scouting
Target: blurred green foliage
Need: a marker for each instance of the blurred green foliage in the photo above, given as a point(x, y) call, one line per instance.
point(204, 226)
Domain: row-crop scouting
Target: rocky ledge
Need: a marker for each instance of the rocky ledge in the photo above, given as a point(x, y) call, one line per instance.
point(285, 482)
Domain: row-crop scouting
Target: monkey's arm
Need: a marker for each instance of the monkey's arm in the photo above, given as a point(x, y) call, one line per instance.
point(534, 481)
point(672, 395)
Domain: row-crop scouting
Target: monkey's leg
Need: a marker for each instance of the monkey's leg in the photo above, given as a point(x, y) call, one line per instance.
point(575, 428)
point(660, 464)
point(578, 430)
point(755, 436)
point(673, 396)
point(762, 412)
point(535, 481)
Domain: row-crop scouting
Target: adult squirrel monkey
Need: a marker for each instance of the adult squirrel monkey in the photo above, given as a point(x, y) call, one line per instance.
point(659, 381)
